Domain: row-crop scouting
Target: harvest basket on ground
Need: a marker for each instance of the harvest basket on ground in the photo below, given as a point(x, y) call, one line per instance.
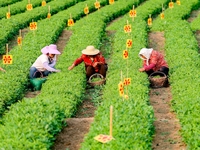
point(96, 79)
point(158, 79)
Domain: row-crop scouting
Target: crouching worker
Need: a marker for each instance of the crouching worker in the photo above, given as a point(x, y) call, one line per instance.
point(153, 61)
point(45, 63)
point(94, 62)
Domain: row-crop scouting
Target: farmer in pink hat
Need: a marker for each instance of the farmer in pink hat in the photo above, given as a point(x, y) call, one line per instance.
point(45, 63)
point(153, 61)
point(93, 60)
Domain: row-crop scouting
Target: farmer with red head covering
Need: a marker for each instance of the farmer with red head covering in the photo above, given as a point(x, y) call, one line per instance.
point(153, 61)
point(93, 60)
point(45, 63)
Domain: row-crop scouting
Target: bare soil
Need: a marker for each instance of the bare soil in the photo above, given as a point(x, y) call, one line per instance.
point(71, 136)
point(167, 126)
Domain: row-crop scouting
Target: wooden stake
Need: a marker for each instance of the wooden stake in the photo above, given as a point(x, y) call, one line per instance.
point(9, 8)
point(133, 11)
point(111, 117)
point(122, 82)
point(127, 76)
point(87, 13)
point(20, 35)
point(49, 9)
point(20, 32)
point(6, 49)
point(121, 75)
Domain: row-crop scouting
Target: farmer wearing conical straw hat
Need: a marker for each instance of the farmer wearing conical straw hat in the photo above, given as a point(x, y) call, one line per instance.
point(94, 62)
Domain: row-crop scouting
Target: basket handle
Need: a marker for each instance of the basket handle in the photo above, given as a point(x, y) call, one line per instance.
point(39, 72)
point(96, 74)
point(157, 72)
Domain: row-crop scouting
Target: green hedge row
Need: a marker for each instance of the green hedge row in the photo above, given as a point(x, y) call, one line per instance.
point(182, 54)
point(14, 82)
point(7, 2)
point(19, 7)
point(10, 27)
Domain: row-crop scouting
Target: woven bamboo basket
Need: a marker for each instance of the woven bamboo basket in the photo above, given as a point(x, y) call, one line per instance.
point(101, 79)
point(158, 79)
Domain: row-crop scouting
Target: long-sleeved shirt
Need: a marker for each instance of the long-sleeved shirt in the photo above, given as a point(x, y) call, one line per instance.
point(156, 61)
point(89, 61)
point(43, 63)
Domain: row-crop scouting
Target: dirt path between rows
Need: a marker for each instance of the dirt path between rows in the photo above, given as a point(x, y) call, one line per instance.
point(71, 137)
point(167, 127)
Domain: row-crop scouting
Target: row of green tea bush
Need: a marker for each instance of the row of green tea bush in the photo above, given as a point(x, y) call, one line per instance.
point(15, 79)
point(182, 54)
point(10, 27)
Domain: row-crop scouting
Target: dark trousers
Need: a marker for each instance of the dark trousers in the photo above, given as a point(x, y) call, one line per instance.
point(102, 70)
point(163, 69)
point(35, 73)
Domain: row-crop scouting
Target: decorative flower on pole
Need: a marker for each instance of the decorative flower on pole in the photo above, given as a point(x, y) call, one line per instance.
point(178, 2)
point(127, 81)
point(29, 7)
point(97, 5)
point(7, 59)
point(70, 21)
point(43, 3)
point(86, 10)
point(125, 54)
point(129, 43)
point(162, 15)
point(33, 26)
point(8, 13)
point(121, 88)
point(49, 13)
point(132, 12)
point(127, 28)
point(111, 1)
point(171, 4)
point(149, 21)
point(19, 40)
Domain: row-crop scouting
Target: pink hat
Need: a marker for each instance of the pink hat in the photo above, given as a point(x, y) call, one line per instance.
point(51, 49)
